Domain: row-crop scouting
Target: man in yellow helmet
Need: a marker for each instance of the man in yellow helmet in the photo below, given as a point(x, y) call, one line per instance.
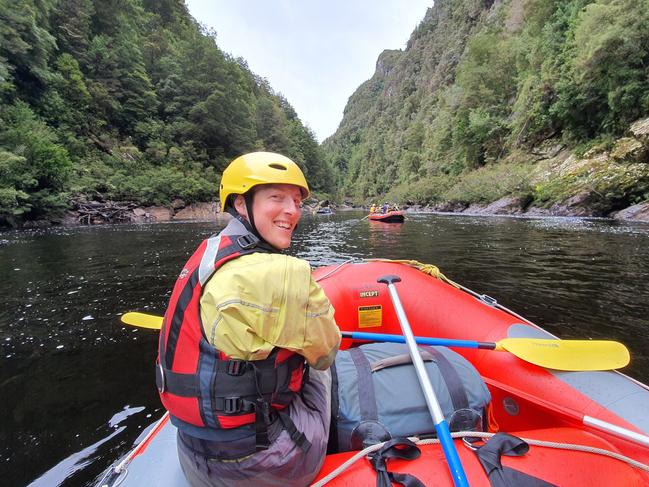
point(242, 321)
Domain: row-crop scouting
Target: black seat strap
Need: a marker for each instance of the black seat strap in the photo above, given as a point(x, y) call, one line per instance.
point(401, 448)
point(499, 476)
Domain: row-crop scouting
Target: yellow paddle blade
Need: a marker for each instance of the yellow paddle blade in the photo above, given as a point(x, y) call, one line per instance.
point(568, 354)
point(142, 320)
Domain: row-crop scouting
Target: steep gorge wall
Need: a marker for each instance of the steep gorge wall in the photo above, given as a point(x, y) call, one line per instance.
point(470, 111)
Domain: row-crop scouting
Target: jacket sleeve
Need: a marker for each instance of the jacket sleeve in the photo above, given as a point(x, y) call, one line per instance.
point(306, 317)
point(322, 335)
point(259, 302)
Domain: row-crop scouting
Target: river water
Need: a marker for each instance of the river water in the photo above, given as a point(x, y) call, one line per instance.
point(77, 386)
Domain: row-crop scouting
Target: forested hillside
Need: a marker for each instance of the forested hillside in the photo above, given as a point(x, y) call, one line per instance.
point(522, 98)
point(128, 100)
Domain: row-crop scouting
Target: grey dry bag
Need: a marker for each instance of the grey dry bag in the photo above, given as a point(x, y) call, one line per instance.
point(376, 394)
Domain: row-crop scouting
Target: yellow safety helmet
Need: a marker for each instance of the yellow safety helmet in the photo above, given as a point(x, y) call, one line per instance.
point(250, 170)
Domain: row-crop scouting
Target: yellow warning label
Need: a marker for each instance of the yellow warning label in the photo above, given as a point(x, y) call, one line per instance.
point(369, 316)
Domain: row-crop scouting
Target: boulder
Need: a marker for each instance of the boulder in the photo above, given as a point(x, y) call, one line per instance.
point(198, 211)
point(537, 211)
point(586, 203)
point(158, 214)
point(177, 204)
point(475, 209)
point(640, 130)
point(70, 218)
point(508, 205)
point(629, 149)
point(639, 212)
point(449, 207)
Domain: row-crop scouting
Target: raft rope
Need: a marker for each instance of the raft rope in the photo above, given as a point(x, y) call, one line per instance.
point(335, 269)
point(429, 269)
point(479, 434)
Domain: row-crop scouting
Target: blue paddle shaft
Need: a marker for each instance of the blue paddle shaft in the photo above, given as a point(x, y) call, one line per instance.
point(446, 342)
point(452, 458)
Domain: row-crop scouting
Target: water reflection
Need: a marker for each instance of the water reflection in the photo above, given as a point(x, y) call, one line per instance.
point(73, 376)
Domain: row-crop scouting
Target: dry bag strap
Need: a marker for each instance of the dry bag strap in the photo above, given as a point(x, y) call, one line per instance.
point(499, 476)
point(401, 448)
point(451, 379)
point(366, 394)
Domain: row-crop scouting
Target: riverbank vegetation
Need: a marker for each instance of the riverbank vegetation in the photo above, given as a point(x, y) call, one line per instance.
point(487, 94)
point(544, 103)
point(128, 100)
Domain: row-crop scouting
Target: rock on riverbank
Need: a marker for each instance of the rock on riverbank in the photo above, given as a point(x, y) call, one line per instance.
point(511, 205)
point(99, 212)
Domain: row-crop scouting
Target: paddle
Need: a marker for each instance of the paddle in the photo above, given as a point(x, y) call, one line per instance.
point(571, 355)
point(142, 320)
point(443, 433)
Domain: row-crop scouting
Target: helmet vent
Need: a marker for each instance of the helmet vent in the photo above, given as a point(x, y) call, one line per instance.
point(277, 166)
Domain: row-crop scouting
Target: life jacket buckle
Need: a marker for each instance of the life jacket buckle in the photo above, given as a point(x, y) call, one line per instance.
point(247, 241)
point(160, 378)
point(231, 405)
point(236, 367)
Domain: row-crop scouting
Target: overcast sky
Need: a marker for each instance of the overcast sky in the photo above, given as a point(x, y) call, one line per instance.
point(315, 52)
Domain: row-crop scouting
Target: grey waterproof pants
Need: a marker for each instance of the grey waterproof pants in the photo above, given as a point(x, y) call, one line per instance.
point(283, 463)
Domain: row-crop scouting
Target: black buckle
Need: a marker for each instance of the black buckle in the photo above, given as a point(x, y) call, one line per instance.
point(262, 409)
point(231, 405)
point(235, 367)
point(247, 241)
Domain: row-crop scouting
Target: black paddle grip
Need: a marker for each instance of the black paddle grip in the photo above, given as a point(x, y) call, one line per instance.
point(389, 279)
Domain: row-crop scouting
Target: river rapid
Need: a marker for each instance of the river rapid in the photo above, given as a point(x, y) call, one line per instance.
point(77, 386)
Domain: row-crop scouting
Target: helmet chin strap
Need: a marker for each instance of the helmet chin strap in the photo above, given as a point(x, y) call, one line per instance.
point(249, 222)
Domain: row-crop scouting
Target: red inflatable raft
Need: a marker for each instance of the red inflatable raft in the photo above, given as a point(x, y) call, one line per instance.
point(389, 217)
point(584, 428)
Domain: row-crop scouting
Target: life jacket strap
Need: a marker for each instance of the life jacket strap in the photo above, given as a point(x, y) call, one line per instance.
point(296, 435)
point(186, 385)
point(262, 422)
point(183, 385)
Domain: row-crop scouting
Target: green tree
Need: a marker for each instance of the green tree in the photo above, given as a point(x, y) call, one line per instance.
point(35, 167)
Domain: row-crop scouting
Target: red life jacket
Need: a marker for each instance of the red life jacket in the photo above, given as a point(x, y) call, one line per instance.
point(200, 386)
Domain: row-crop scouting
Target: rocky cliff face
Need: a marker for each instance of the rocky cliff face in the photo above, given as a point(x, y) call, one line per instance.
point(512, 104)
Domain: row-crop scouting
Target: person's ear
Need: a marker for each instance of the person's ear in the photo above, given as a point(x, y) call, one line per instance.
point(240, 206)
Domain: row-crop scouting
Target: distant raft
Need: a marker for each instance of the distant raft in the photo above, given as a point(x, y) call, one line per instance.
point(388, 217)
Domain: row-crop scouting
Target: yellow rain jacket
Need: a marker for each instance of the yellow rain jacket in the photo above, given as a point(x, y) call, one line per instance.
point(250, 305)
point(260, 301)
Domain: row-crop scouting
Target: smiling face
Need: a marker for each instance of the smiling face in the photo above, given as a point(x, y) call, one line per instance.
point(276, 209)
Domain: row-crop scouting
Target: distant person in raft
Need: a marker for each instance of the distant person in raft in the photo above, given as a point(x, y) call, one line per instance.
point(384, 208)
point(244, 324)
